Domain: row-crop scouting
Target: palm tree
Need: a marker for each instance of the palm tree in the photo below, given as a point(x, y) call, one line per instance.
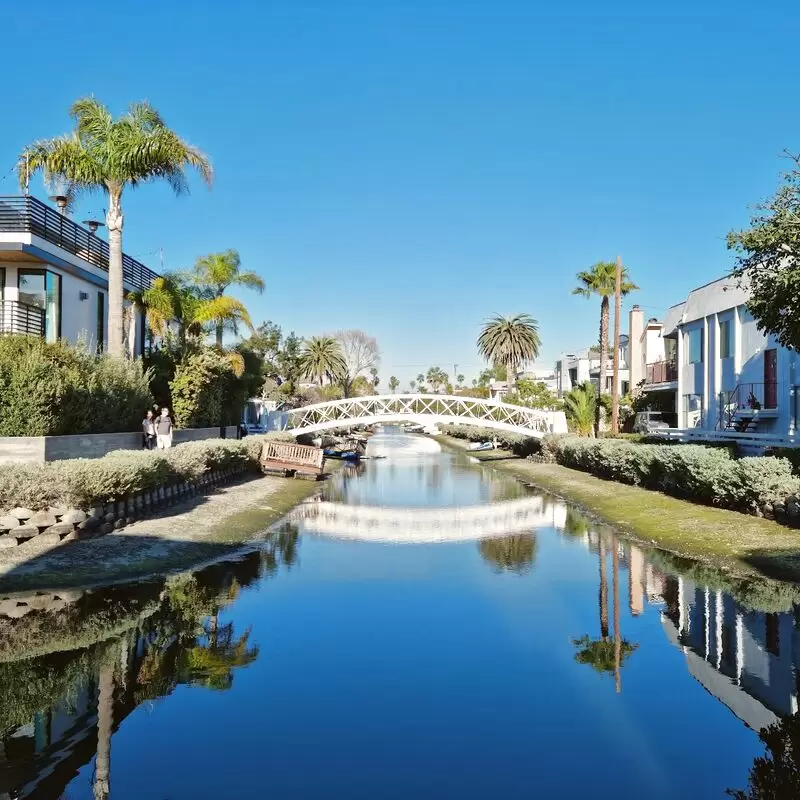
point(420, 379)
point(510, 341)
point(321, 358)
point(580, 406)
point(214, 274)
point(107, 154)
point(393, 384)
point(412, 384)
point(460, 381)
point(600, 281)
point(436, 377)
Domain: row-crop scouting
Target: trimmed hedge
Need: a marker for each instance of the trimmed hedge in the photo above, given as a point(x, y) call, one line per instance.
point(702, 474)
point(86, 483)
point(522, 446)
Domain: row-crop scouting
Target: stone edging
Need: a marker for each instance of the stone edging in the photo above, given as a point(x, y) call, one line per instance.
point(36, 531)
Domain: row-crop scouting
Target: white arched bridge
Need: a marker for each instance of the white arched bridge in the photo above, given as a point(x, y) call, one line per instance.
point(425, 525)
point(425, 409)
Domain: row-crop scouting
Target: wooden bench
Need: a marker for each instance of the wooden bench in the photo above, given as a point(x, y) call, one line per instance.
point(289, 459)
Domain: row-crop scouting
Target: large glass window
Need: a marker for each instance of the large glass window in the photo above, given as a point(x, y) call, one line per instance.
point(693, 407)
point(42, 289)
point(725, 339)
point(101, 321)
point(695, 348)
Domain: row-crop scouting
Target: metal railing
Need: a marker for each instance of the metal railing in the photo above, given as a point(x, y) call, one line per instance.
point(16, 317)
point(744, 403)
point(662, 372)
point(21, 214)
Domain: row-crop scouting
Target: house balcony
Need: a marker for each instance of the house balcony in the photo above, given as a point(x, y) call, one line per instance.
point(21, 318)
point(27, 215)
point(661, 373)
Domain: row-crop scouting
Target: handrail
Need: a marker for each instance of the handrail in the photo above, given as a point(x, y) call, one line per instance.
point(744, 399)
point(661, 372)
point(16, 317)
point(25, 214)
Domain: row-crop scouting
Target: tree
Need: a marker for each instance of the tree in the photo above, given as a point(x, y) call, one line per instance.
point(375, 379)
point(600, 280)
point(436, 378)
point(214, 274)
point(322, 359)
point(412, 384)
point(509, 342)
point(393, 384)
point(767, 260)
point(460, 381)
point(533, 394)
point(580, 405)
point(107, 154)
point(420, 380)
point(360, 353)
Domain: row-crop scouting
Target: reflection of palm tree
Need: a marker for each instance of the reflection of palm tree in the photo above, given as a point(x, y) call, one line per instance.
point(510, 553)
point(575, 523)
point(776, 774)
point(603, 654)
point(211, 664)
point(105, 724)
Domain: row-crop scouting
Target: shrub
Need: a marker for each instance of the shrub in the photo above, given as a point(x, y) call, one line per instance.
point(518, 444)
point(84, 483)
point(792, 454)
point(54, 388)
point(198, 389)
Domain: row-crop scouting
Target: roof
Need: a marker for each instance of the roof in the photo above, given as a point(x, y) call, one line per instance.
point(711, 298)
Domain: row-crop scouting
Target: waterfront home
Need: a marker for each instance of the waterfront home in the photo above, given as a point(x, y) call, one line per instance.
point(574, 369)
point(54, 275)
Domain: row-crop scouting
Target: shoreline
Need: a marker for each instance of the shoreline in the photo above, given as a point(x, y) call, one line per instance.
point(738, 544)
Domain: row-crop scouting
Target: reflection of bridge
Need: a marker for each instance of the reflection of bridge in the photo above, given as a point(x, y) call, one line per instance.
point(414, 525)
point(430, 409)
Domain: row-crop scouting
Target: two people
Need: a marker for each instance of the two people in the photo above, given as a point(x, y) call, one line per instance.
point(157, 430)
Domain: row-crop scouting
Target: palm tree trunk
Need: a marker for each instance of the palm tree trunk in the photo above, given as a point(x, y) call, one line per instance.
point(116, 330)
point(603, 590)
point(105, 723)
point(617, 635)
point(604, 317)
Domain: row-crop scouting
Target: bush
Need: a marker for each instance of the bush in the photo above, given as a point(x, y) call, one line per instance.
point(792, 454)
point(85, 483)
point(55, 389)
point(199, 388)
point(703, 474)
point(518, 444)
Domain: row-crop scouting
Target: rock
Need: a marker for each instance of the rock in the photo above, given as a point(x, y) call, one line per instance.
point(107, 527)
point(43, 519)
point(21, 513)
point(19, 612)
point(7, 522)
point(69, 595)
point(61, 528)
point(779, 508)
point(39, 602)
point(109, 517)
point(73, 516)
point(120, 509)
point(42, 542)
point(24, 532)
point(96, 512)
point(119, 523)
point(89, 524)
point(7, 542)
point(7, 607)
point(793, 507)
point(58, 511)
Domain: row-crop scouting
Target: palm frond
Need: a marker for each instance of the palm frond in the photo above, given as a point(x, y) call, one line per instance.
point(223, 311)
point(509, 341)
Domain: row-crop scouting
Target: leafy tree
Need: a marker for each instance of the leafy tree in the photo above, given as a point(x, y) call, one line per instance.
point(533, 394)
point(412, 384)
point(436, 378)
point(460, 381)
point(510, 553)
point(767, 260)
point(214, 274)
point(580, 405)
point(266, 341)
point(420, 380)
point(106, 154)
point(393, 384)
point(601, 281)
point(509, 342)
point(360, 387)
point(360, 352)
point(321, 359)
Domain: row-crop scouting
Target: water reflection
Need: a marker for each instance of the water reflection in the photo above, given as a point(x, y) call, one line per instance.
point(510, 553)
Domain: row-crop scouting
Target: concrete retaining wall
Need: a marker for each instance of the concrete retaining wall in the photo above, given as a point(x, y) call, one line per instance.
point(38, 449)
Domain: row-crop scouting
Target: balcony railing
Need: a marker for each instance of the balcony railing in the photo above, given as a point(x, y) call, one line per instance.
point(662, 372)
point(21, 214)
point(16, 317)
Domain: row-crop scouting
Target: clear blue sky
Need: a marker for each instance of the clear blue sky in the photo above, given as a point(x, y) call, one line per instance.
point(411, 168)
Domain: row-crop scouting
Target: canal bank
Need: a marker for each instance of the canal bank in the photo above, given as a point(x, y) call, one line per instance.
point(200, 530)
point(727, 540)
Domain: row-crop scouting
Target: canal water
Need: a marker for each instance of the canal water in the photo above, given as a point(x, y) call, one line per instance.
point(427, 628)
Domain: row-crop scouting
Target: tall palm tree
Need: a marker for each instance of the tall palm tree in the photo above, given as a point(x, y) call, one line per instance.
point(107, 154)
point(214, 274)
point(600, 281)
point(394, 382)
point(509, 342)
point(412, 385)
point(321, 358)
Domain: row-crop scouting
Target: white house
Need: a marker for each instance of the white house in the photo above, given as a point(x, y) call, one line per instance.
point(725, 375)
point(54, 275)
point(573, 369)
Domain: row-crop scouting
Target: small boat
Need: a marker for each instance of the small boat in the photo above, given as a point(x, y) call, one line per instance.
point(481, 446)
point(344, 455)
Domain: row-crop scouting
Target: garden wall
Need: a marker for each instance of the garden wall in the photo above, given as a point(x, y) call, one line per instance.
point(40, 449)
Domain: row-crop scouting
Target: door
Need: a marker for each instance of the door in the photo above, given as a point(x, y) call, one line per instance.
point(770, 378)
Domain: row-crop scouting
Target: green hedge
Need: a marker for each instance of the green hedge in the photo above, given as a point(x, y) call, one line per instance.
point(86, 483)
point(522, 446)
point(702, 474)
point(53, 388)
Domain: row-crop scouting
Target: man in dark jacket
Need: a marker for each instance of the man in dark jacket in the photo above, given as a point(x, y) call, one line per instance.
point(164, 429)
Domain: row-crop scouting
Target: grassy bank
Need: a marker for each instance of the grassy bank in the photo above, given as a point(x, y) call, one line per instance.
point(187, 535)
point(725, 539)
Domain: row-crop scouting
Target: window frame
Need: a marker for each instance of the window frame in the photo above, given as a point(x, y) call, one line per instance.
point(698, 332)
point(726, 338)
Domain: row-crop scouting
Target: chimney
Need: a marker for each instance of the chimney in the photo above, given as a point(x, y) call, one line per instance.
point(635, 356)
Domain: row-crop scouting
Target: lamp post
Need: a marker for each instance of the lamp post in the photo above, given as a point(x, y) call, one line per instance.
point(92, 225)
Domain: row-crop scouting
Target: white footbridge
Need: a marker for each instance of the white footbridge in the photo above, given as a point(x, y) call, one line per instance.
point(425, 409)
point(428, 525)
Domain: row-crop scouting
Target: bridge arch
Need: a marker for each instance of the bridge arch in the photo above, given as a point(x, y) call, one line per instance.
point(433, 409)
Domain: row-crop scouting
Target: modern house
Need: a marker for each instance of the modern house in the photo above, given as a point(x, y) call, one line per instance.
point(54, 276)
point(723, 376)
point(573, 369)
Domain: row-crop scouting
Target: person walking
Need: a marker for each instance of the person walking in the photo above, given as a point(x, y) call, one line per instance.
point(148, 431)
point(164, 430)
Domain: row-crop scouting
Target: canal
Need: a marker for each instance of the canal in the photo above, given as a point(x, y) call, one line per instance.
point(425, 628)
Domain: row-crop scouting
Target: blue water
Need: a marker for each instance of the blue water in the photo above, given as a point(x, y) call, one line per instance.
point(399, 670)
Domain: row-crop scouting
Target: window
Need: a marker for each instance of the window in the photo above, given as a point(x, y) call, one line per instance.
point(2, 282)
point(693, 407)
point(42, 289)
point(695, 353)
point(773, 638)
point(725, 339)
point(101, 319)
